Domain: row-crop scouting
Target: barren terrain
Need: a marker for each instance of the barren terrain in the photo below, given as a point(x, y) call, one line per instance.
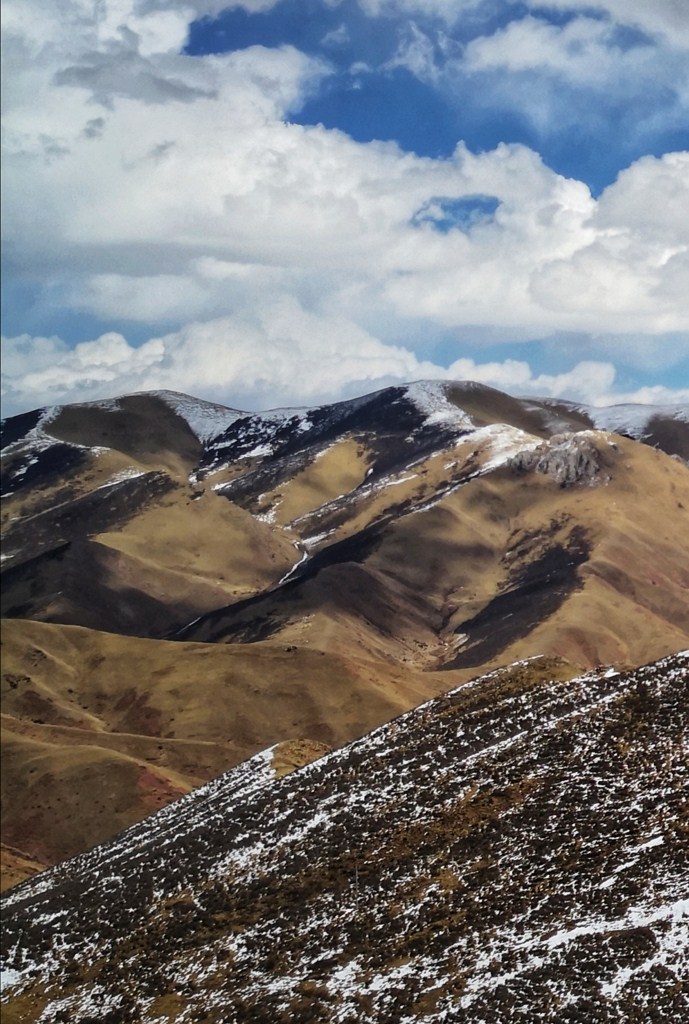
point(185, 585)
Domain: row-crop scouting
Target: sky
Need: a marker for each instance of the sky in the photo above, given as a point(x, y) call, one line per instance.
point(284, 202)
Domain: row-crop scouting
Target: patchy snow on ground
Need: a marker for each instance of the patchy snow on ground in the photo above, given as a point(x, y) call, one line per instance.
point(500, 443)
point(453, 864)
point(430, 397)
point(633, 420)
point(206, 419)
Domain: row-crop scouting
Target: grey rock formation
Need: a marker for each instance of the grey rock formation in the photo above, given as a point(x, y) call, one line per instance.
point(567, 458)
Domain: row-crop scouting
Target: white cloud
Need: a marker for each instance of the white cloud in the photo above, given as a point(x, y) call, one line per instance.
point(655, 394)
point(223, 178)
point(449, 10)
point(160, 188)
point(337, 36)
point(582, 50)
point(629, 89)
point(666, 18)
point(45, 370)
point(416, 53)
point(257, 362)
point(651, 201)
point(591, 74)
point(149, 299)
point(635, 269)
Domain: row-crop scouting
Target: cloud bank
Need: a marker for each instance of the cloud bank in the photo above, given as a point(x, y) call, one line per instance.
point(259, 364)
point(272, 261)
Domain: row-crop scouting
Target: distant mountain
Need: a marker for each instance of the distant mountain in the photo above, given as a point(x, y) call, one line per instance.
point(513, 850)
point(185, 584)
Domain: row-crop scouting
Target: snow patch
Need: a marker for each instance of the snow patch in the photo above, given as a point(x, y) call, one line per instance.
point(633, 420)
point(206, 419)
point(9, 978)
point(430, 398)
point(502, 443)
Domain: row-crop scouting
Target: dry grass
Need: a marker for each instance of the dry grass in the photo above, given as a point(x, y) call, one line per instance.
point(101, 729)
point(203, 549)
point(329, 656)
point(16, 866)
point(337, 470)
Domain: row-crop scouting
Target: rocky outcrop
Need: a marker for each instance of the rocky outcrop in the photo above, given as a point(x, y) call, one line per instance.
point(567, 458)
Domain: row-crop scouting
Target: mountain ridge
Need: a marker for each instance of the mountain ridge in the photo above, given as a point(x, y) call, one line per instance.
point(354, 560)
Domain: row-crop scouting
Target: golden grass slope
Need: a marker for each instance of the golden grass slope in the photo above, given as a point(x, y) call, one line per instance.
point(16, 867)
point(99, 729)
point(181, 553)
point(597, 574)
point(445, 568)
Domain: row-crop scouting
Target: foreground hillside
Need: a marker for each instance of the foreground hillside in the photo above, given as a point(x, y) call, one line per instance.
point(513, 851)
point(186, 584)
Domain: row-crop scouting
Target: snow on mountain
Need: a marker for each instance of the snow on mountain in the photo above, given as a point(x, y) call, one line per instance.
point(430, 397)
point(631, 420)
point(500, 853)
point(502, 443)
point(206, 419)
point(634, 420)
point(422, 406)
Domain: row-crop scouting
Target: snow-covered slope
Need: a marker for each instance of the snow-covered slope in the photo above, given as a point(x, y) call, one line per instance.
point(635, 420)
point(514, 850)
point(206, 419)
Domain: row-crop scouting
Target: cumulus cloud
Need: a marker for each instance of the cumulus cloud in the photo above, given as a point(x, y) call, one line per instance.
point(668, 19)
point(224, 177)
point(582, 50)
point(257, 362)
point(589, 75)
point(43, 370)
point(599, 70)
point(145, 185)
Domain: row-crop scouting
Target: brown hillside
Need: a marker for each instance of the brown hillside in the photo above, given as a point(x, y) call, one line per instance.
point(100, 729)
point(176, 606)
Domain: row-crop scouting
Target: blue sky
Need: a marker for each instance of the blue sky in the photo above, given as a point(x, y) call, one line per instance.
point(593, 138)
point(286, 202)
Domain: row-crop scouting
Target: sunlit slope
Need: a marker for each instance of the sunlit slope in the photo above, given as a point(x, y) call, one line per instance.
point(507, 563)
point(118, 538)
point(100, 729)
point(319, 571)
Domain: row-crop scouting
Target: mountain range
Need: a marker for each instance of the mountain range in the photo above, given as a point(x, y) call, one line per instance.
point(195, 593)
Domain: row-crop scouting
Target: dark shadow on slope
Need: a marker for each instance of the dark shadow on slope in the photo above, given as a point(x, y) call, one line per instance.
point(384, 424)
point(233, 620)
point(535, 592)
point(670, 435)
point(102, 509)
point(14, 428)
point(80, 583)
point(141, 426)
point(387, 410)
point(487, 405)
point(39, 468)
